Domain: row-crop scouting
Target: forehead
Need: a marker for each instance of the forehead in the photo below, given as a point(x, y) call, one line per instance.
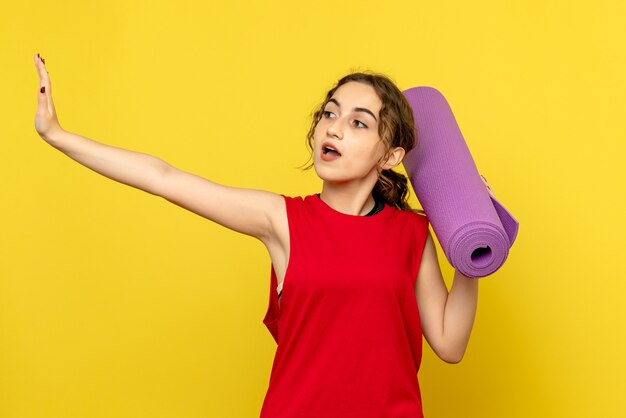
point(355, 94)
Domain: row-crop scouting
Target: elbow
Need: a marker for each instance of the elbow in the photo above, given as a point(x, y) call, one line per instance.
point(452, 356)
point(452, 359)
point(159, 185)
point(452, 350)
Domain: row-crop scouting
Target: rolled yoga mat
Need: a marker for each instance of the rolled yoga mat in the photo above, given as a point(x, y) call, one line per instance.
point(475, 231)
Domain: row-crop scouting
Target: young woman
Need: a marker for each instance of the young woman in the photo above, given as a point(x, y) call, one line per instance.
point(355, 276)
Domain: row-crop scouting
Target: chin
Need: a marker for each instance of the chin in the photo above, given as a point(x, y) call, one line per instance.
point(325, 174)
point(321, 173)
point(327, 177)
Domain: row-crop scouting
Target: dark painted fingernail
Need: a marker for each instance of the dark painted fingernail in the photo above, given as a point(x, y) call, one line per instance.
point(44, 61)
point(43, 89)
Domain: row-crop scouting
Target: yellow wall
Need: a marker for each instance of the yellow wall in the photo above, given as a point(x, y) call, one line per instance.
point(116, 303)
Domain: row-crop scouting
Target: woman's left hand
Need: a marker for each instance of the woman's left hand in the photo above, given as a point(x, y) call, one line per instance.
point(487, 185)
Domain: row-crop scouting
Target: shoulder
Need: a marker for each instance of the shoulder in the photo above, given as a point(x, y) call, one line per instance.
point(295, 205)
point(422, 217)
point(295, 202)
point(418, 222)
point(297, 199)
point(415, 215)
point(422, 223)
point(419, 213)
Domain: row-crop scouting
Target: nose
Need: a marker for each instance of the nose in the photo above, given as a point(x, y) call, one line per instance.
point(334, 128)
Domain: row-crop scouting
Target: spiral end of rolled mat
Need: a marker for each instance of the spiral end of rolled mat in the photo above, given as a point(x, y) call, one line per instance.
point(474, 229)
point(478, 249)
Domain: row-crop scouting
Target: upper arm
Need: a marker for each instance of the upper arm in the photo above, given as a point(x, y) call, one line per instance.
point(251, 212)
point(431, 294)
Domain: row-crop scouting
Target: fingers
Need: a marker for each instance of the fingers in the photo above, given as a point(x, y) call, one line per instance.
point(44, 98)
point(487, 185)
point(44, 79)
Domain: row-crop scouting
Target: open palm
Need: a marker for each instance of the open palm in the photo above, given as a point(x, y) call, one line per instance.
point(46, 122)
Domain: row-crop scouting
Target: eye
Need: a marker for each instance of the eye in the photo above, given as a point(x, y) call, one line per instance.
point(326, 113)
point(364, 125)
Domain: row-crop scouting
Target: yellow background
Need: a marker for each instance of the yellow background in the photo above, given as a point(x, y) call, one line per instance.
point(116, 303)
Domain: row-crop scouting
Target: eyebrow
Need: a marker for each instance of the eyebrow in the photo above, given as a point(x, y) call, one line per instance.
point(356, 109)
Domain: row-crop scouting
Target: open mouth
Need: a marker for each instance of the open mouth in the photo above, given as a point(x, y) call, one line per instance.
point(330, 151)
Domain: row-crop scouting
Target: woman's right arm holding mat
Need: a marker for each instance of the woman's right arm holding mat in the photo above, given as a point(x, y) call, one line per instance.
point(252, 212)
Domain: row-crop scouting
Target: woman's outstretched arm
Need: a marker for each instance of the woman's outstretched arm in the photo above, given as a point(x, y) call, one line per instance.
point(252, 212)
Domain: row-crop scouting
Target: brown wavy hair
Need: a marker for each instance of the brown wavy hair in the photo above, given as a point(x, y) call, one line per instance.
point(396, 129)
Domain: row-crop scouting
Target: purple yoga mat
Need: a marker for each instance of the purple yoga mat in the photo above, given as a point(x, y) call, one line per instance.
point(475, 231)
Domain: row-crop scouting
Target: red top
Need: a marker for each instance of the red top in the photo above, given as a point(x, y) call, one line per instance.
point(347, 327)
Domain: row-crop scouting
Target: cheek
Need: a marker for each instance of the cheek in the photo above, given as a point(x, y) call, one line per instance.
point(372, 155)
point(316, 134)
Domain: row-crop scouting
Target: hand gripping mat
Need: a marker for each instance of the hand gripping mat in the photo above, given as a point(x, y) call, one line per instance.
point(475, 231)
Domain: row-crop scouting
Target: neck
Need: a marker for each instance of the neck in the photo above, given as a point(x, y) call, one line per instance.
point(348, 199)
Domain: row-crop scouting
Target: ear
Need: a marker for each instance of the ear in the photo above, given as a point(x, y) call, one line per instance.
point(394, 158)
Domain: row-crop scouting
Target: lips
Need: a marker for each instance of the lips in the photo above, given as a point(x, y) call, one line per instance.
point(330, 150)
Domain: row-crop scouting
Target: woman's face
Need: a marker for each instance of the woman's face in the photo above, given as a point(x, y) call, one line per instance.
point(349, 125)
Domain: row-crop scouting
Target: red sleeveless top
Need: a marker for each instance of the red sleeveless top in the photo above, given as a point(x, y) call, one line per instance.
point(347, 327)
